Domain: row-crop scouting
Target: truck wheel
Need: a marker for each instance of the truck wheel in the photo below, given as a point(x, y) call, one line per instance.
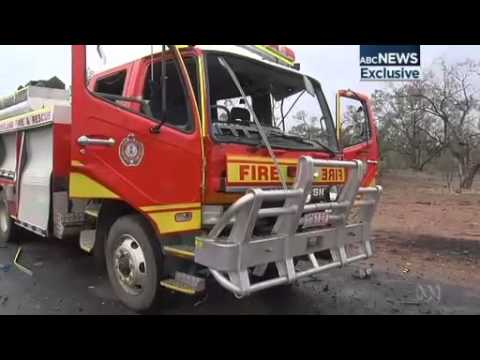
point(134, 262)
point(7, 227)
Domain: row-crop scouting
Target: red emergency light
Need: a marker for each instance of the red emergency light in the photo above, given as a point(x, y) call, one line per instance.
point(284, 50)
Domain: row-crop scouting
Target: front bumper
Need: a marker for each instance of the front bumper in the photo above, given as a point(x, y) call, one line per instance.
point(230, 254)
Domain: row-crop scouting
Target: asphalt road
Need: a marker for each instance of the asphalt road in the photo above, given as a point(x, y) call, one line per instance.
point(65, 281)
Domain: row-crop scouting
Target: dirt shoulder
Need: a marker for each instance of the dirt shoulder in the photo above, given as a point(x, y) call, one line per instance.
point(421, 228)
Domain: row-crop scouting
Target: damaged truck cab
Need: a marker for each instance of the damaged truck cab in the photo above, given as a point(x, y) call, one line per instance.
point(195, 161)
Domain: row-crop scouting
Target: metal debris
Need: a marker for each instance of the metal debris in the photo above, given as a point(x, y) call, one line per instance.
point(411, 303)
point(312, 279)
point(201, 301)
point(362, 274)
point(19, 266)
point(58, 304)
point(5, 267)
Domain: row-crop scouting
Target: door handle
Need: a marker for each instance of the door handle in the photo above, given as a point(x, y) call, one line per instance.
point(85, 140)
point(373, 162)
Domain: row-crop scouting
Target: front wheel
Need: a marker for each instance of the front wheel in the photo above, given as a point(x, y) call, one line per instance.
point(134, 263)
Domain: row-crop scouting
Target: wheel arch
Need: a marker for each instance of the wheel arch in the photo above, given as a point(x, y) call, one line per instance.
point(110, 211)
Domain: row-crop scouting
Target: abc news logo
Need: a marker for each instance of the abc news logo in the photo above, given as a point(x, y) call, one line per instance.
point(390, 63)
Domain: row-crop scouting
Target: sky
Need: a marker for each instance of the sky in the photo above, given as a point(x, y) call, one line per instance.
point(335, 66)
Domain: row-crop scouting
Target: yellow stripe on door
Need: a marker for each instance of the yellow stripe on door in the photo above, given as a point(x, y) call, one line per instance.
point(82, 186)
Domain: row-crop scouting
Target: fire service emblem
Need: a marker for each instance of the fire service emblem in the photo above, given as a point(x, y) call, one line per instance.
point(131, 151)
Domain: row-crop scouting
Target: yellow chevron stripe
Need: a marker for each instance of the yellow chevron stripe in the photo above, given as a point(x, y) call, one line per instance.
point(170, 206)
point(81, 186)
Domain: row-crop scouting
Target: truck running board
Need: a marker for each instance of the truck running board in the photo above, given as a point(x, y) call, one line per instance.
point(184, 283)
point(231, 253)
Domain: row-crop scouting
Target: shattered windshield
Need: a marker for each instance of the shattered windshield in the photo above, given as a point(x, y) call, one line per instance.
point(290, 107)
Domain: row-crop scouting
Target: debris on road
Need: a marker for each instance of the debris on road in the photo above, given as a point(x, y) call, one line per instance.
point(325, 288)
point(3, 299)
point(404, 269)
point(201, 301)
point(19, 266)
point(5, 267)
point(424, 203)
point(312, 279)
point(58, 304)
point(362, 274)
point(411, 303)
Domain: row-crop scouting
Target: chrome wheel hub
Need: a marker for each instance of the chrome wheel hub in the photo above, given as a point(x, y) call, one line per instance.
point(129, 265)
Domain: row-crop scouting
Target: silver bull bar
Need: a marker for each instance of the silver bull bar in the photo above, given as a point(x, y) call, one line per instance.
point(229, 257)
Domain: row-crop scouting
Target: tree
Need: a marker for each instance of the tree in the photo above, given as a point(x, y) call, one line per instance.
point(404, 128)
point(451, 97)
point(308, 126)
point(423, 119)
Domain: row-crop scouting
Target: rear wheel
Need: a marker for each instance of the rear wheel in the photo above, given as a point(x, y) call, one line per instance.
point(134, 263)
point(7, 227)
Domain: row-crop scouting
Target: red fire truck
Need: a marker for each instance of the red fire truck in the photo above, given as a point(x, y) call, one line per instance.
point(193, 163)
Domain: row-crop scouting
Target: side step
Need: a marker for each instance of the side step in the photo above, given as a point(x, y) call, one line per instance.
point(184, 283)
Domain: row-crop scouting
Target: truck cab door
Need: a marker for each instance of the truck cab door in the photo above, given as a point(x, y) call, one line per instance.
point(131, 156)
point(357, 131)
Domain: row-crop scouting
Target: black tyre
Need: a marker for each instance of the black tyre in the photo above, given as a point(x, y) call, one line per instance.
point(7, 226)
point(134, 263)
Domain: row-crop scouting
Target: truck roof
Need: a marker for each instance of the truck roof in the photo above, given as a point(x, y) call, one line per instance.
point(255, 52)
point(259, 53)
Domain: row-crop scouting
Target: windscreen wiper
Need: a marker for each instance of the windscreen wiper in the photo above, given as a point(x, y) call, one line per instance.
point(290, 109)
point(292, 137)
point(309, 142)
point(325, 147)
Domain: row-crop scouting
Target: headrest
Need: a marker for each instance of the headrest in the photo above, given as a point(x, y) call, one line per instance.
point(238, 114)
